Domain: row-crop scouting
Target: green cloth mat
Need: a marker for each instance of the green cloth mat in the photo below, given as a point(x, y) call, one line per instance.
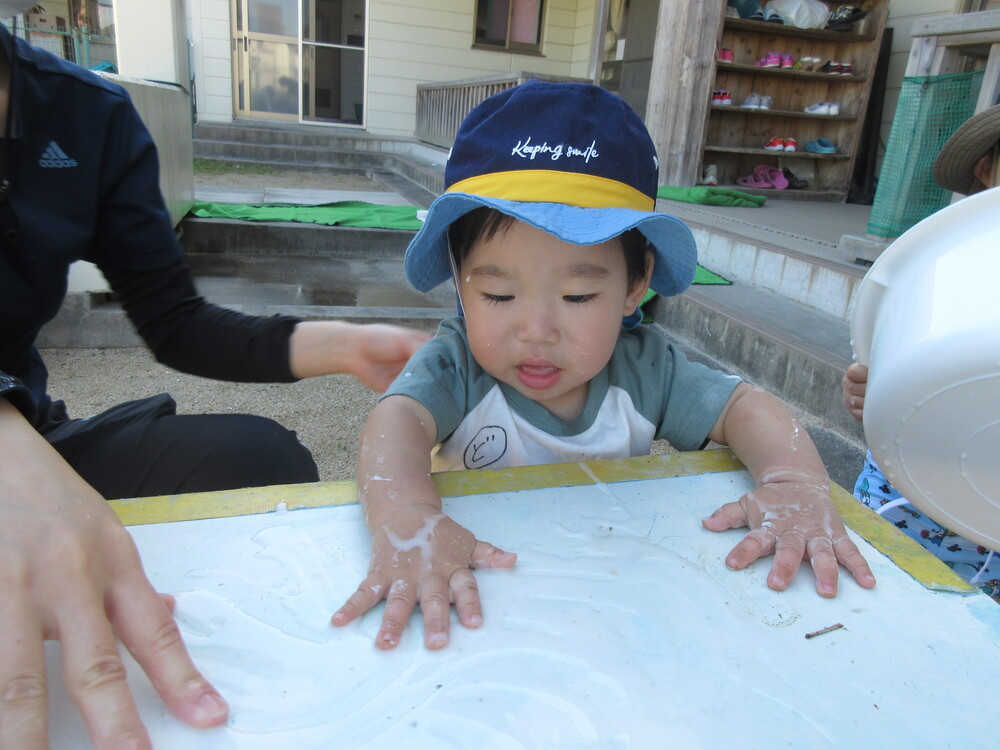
point(712, 196)
point(343, 213)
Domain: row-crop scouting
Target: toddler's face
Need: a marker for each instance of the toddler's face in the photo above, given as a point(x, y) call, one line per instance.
point(543, 315)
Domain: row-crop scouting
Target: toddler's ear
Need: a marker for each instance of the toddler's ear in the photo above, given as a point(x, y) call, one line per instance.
point(638, 290)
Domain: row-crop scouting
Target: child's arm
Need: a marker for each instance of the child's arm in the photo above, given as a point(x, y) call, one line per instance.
point(418, 553)
point(790, 513)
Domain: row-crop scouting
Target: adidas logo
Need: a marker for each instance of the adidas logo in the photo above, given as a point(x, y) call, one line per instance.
point(53, 156)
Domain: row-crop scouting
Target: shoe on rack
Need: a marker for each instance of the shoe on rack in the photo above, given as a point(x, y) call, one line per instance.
point(821, 146)
point(710, 175)
point(770, 60)
point(794, 182)
point(787, 61)
point(834, 108)
point(721, 97)
point(725, 56)
point(775, 144)
point(844, 17)
point(758, 15)
point(819, 108)
point(751, 102)
point(847, 69)
point(811, 63)
point(765, 102)
point(791, 144)
point(831, 66)
point(771, 16)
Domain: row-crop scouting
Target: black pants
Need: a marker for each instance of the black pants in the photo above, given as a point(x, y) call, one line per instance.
point(142, 448)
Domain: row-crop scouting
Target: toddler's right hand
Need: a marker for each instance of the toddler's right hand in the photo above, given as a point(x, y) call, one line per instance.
point(854, 384)
point(423, 556)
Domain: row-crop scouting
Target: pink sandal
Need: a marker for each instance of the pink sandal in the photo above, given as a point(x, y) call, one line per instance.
point(772, 175)
point(754, 181)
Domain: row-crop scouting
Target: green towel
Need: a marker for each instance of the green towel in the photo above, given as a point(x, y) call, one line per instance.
point(712, 196)
point(344, 213)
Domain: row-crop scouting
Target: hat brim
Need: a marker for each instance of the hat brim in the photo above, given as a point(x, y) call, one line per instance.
point(954, 163)
point(426, 261)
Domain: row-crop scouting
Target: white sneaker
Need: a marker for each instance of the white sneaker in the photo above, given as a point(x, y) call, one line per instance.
point(751, 102)
point(765, 102)
point(834, 108)
point(820, 108)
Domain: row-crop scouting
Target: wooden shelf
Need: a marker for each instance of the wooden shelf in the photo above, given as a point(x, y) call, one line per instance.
point(778, 29)
point(733, 136)
point(801, 153)
point(772, 112)
point(809, 75)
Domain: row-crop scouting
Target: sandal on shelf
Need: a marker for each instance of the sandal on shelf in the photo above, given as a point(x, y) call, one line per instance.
point(764, 177)
point(753, 181)
point(774, 176)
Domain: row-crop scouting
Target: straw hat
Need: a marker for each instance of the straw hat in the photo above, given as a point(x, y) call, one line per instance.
point(976, 136)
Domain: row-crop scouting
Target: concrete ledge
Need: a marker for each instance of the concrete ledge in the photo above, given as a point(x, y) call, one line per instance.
point(232, 237)
point(805, 375)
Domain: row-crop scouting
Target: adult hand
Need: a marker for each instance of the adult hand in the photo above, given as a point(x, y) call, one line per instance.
point(383, 351)
point(793, 521)
point(373, 353)
point(423, 556)
point(69, 571)
point(854, 384)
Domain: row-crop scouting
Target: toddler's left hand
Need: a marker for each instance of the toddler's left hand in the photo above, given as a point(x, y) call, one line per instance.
point(793, 521)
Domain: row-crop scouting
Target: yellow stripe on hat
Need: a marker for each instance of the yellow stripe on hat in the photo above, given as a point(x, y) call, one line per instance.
point(551, 186)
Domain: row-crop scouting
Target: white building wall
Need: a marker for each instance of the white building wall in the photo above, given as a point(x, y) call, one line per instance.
point(902, 14)
point(210, 37)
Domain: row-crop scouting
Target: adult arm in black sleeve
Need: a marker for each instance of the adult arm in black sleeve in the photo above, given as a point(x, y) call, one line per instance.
point(186, 332)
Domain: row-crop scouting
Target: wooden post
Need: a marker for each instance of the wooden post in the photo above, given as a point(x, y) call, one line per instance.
point(680, 85)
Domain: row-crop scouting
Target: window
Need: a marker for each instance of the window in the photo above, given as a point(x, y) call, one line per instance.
point(514, 25)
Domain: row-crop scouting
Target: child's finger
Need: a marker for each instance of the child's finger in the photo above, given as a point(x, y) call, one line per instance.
point(789, 549)
point(465, 594)
point(850, 557)
point(824, 565)
point(729, 516)
point(367, 595)
point(485, 555)
point(755, 545)
point(399, 605)
point(435, 605)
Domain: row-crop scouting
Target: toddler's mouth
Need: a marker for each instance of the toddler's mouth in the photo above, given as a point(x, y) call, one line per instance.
point(538, 376)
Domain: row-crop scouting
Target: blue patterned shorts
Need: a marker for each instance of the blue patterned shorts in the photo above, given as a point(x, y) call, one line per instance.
point(971, 561)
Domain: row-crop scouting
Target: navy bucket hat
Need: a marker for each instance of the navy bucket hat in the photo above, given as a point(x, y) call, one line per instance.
point(571, 159)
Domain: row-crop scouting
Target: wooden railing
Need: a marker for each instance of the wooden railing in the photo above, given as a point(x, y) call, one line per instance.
point(441, 107)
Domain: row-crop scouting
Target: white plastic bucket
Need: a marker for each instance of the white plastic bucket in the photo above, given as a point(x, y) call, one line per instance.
point(926, 320)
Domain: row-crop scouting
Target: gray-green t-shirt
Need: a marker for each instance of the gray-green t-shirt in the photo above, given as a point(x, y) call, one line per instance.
point(648, 391)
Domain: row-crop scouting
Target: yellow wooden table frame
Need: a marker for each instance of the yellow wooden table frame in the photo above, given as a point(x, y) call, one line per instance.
point(881, 534)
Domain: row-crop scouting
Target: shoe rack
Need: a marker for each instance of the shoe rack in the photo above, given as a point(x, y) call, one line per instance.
point(734, 136)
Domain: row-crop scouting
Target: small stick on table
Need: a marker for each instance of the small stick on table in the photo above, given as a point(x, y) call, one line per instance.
point(824, 630)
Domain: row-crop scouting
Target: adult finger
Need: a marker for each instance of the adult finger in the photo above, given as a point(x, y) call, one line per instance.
point(147, 628)
point(485, 555)
point(399, 604)
point(465, 594)
point(369, 593)
point(23, 703)
point(435, 605)
point(95, 679)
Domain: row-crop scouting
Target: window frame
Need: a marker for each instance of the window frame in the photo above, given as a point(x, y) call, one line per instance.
point(520, 48)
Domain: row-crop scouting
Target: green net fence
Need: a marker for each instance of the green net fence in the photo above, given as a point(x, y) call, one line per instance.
point(930, 109)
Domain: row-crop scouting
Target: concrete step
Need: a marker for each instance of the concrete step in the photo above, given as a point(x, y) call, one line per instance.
point(407, 166)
